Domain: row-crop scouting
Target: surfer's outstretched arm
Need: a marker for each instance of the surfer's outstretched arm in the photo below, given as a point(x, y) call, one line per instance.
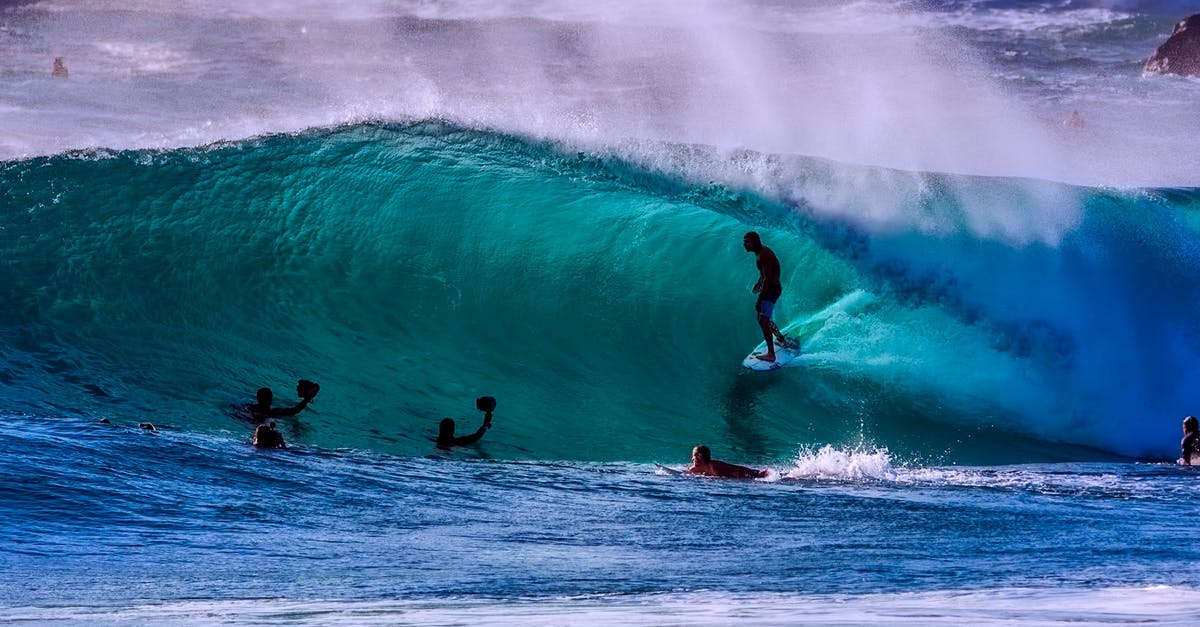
point(474, 437)
point(282, 412)
point(446, 437)
point(262, 410)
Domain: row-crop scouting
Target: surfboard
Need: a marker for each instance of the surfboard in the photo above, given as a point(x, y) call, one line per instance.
point(805, 331)
point(783, 357)
point(669, 471)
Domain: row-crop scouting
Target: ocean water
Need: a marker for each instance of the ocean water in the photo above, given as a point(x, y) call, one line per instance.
point(415, 204)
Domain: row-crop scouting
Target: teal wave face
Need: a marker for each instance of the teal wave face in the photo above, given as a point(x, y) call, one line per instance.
point(410, 269)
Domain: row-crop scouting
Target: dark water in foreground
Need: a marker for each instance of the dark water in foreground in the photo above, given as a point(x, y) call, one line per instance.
point(106, 522)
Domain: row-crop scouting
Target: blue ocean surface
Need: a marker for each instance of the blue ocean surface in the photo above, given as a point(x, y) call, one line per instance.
point(105, 523)
point(417, 204)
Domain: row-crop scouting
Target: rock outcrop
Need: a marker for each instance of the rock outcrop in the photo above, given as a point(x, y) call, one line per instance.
point(1180, 54)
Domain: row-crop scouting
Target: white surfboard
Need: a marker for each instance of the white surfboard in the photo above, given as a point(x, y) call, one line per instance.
point(783, 356)
point(807, 330)
point(668, 470)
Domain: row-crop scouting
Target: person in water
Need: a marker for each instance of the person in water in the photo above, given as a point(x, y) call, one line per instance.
point(1190, 444)
point(446, 438)
point(768, 288)
point(262, 410)
point(59, 69)
point(704, 464)
point(267, 436)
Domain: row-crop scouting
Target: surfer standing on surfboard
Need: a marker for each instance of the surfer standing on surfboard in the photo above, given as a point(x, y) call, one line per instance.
point(768, 288)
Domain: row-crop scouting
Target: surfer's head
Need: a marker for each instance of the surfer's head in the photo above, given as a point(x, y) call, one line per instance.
point(265, 397)
point(1191, 425)
point(701, 454)
point(752, 242)
point(446, 428)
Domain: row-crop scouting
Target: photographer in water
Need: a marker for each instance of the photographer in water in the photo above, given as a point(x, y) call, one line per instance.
point(262, 410)
point(446, 439)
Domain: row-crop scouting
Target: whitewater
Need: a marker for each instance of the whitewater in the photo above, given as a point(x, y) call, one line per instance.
point(416, 203)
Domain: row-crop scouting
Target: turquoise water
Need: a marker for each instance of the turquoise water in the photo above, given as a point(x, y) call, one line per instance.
point(410, 268)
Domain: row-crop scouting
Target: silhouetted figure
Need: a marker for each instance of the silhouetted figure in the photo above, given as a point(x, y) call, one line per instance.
point(59, 70)
point(262, 410)
point(704, 464)
point(769, 289)
point(446, 439)
point(266, 436)
point(1190, 444)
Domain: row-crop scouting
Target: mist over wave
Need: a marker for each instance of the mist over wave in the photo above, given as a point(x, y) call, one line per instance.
point(966, 87)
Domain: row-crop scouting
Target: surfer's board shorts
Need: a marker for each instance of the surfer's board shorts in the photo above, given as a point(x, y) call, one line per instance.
point(765, 306)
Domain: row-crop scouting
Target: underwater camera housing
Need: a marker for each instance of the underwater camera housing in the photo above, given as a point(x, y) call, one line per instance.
point(486, 403)
point(307, 389)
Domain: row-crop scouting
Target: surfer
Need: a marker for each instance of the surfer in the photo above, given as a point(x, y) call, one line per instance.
point(1191, 441)
point(768, 288)
point(59, 69)
point(262, 410)
point(704, 464)
point(266, 436)
point(446, 438)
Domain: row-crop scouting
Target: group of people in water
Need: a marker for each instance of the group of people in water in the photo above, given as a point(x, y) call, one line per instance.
point(267, 435)
point(769, 288)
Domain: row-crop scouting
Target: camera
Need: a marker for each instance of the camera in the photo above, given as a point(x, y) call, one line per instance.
point(307, 389)
point(486, 403)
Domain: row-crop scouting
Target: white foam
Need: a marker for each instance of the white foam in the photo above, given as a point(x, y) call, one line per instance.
point(869, 464)
point(1005, 606)
point(829, 463)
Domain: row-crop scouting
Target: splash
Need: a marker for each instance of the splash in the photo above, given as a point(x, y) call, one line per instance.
point(829, 463)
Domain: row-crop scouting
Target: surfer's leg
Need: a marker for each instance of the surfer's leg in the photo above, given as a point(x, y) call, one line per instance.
point(783, 340)
point(765, 308)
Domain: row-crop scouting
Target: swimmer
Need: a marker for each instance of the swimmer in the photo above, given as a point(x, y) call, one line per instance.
point(446, 438)
point(266, 436)
point(704, 464)
point(1190, 444)
point(262, 410)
